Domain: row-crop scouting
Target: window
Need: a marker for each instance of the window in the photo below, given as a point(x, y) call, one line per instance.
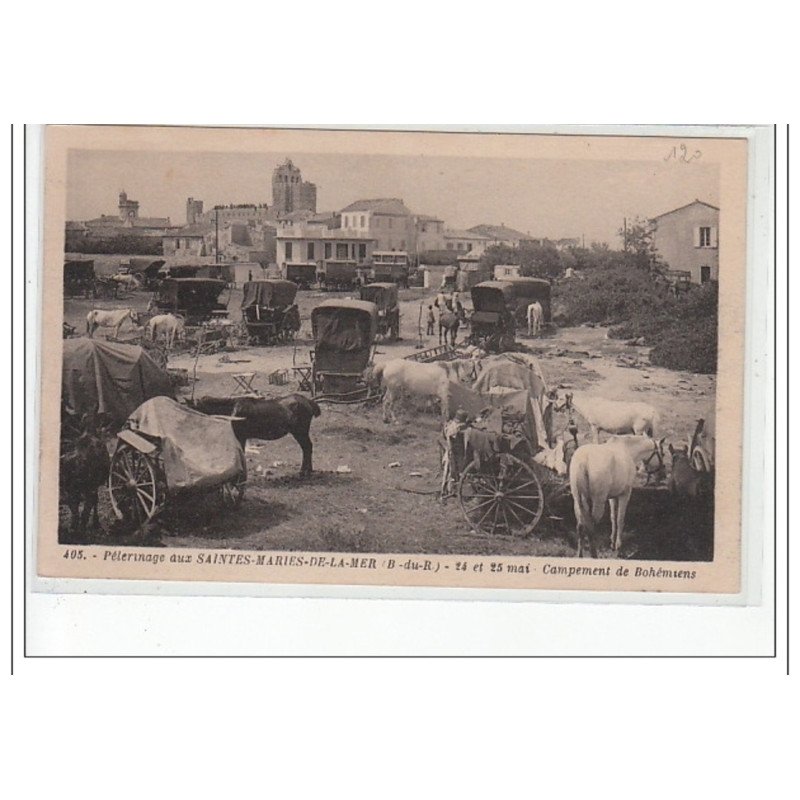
point(288, 251)
point(362, 252)
point(449, 245)
point(310, 252)
point(327, 249)
point(341, 251)
point(363, 222)
point(403, 244)
point(705, 237)
point(390, 222)
point(705, 274)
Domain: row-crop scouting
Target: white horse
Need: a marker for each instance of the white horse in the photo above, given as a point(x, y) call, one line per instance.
point(423, 381)
point(613, 416)
point(97, 318)
point(600, 473)
point(167, 325)
point(535, 313)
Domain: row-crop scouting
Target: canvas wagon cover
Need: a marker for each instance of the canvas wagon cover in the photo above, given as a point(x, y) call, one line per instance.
point(273, 294)
point(493, 296)
point(108, 377)
point(198, 450)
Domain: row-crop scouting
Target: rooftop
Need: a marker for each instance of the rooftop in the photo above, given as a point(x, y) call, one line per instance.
point(381, 205)
point(680, 208)
point(499, 232)
point(192, 230)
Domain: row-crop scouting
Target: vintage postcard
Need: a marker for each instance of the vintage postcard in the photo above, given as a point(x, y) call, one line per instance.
point(412, 359)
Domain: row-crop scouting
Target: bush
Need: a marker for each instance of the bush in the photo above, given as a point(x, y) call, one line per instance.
point(691, 347)
point(681, 330)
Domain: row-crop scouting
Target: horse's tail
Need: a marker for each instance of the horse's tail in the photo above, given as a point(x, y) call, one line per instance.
point(581, 495)
point(377, 373)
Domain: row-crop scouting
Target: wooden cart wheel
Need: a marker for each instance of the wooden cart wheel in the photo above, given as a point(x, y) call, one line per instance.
point(506, 500)
point(134, 485)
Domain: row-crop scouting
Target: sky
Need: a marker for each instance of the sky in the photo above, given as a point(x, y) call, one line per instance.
point(546, 198)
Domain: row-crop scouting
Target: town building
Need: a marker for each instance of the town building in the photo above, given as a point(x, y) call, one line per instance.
point(304, 217)
point(126, 222)
point(387, 220)
point(504, 271)
point(460, 242)
point(430, 234)
point(315, 244)
point(290, 192)
point(230, 241)
point(500, 234)
point(687, 240)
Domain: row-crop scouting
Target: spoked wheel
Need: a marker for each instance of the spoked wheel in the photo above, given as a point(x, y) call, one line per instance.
point(509, 500)
point(134, 486)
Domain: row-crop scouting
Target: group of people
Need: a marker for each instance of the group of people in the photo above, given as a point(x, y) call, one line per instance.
point(445, 304)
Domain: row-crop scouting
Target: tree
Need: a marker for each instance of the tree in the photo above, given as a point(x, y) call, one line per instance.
point(638, 243)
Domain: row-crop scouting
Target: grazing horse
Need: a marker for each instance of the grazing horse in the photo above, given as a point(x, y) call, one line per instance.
point(535, 313)
point(83, 467)
point(267, 419)
point(601, 473)
point(97, 318)
point(167, 325)
point(613, 416)
point(423, 381)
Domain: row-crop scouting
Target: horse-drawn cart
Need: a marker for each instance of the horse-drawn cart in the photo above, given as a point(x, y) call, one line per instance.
point(195, 299)
point(385, 297)
point(492, 321)
point(269, 312)
point(344, 337)
point(168, 452)
point(496, 457)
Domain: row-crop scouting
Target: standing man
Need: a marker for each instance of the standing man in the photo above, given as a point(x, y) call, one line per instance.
point(431, 321)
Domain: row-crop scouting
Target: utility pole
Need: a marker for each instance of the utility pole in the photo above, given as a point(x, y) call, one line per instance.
point(625, 234)
point(216, 236)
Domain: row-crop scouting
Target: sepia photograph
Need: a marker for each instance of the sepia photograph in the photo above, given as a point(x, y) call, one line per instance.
point(391, 357)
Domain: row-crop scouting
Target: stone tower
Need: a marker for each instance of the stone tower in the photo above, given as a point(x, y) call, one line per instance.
point(194, 210)
point(128, 209)
point(290, 192)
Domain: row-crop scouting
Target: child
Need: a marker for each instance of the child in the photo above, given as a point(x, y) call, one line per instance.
point(431, 321)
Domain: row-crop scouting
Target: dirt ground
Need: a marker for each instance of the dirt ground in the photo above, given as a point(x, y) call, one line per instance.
point(375, 487)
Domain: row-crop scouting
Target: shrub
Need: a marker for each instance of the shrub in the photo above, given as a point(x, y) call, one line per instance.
point(682, 330)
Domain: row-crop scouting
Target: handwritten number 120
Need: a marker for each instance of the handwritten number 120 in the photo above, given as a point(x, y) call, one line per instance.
point(681, 153)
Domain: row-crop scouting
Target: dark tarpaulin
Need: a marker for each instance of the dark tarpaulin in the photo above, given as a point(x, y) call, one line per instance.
point(272, 294)
point(108, 377)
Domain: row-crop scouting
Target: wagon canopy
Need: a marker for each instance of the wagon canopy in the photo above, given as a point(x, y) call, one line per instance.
point(493, 296)
point(108, 377)
point(147, 266)
point(344, 325)
point(384, 295)
point(269, 294)
point(190, 293)
point(526, 290)
point(198, 450)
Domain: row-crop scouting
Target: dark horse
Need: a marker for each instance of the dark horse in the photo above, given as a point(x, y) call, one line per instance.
point(83, 467)
point(267, 418)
